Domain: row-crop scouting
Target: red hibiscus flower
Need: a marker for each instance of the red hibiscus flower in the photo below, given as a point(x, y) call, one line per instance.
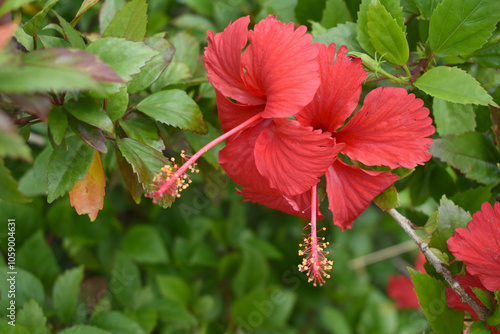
point(478, 246)
point(261, 77)
point(390, 129)
point(275, 77)
point(467, 282)
point(401, 287)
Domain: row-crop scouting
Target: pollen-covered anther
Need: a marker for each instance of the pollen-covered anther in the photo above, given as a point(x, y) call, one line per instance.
point(315, 264)
point(170, 182)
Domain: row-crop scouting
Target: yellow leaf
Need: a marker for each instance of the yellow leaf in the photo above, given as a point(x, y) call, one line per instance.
point(87, 196)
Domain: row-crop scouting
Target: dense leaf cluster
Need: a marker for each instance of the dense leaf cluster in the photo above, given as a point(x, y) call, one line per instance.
point(96, 97)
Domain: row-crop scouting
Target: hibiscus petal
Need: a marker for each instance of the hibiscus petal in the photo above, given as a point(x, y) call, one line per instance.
point(299, 205)
point(478, 246)
point(233, 114)
point(237, 158)
point(281, 64)
point(390, 129)
point(223, 61)
point(338, 93)
point(402, 290)
point(350, 190)
point(292, 157)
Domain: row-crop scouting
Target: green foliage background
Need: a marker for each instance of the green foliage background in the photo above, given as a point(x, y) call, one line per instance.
point(210, 263)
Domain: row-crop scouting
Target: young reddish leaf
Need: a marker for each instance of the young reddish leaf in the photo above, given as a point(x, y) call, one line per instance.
point(74, 61)
point(87, 196)
point(6, 32)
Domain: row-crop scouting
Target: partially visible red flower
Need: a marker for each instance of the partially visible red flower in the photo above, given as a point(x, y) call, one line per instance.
point(401, 287)
point(467, 282)
point(478, 246)
point(390, 129)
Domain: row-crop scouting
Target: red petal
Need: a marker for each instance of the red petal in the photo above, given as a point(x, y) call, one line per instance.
point(237, 158)
point(223, 61)
point(350, 190)
point(233, 114)
point(292, 157)
point(402, 290)
point(299, 205)
point(281, 64)
point(479, 246)
point(338, 93)
point(390, 129)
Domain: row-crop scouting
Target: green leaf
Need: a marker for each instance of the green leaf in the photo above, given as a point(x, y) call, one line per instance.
point(473, 153)
point(442, 318)
point(65, 168)
point(126, 58)
point(187, 49)
point(11, 5)
point(335, 12)
point(174, 313)
point(145, 160)
point(53, 42)
point(472, 199)
point(31, 27)
point(426, 7)
point(454, 85)
point(125, 281)
point(65, 294)
point(176, 72)
point(28, 287)
point(462, 26)
point(108, 11)
point(253, 271)
point(489, 55)
point(378, 316)
point(58, 122)
point(363, 37)
point(494, 319)
point(309, 10)
point(479, 327)
point(90, 112)
point(342, 34)
point(36, 255)
point(146, 317)
point(484, 297)
point(116, 322)
point(432, 223)
point(28, 79)
point(71, 35)
point(144, 244)
point(129, 177)
point(154, 68)
point(86, 5)
point(176, 108)
point(129, 22)
point(87, 329)
point(452, 118)
point(117, 105)
point(12, 145)
point(144, 130)
point(334, 321)
point(243, 307)
point(10, 192)
point(389, 199)
point(450, 217)
point(31, 316)
point(174, 288)
point(201, 6)
point(91, 135)
point(387, 36)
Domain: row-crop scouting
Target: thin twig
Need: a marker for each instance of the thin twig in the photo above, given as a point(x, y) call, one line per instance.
point(406, 224)
point(381, 255)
